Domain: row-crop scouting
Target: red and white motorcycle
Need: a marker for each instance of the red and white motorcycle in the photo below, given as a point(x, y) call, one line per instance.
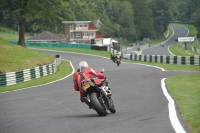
point(98, 95)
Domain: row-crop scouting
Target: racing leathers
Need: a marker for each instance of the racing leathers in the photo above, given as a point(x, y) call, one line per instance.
point(89, 73)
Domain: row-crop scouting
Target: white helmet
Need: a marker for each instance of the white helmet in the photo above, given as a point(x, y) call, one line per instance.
point(82, 65)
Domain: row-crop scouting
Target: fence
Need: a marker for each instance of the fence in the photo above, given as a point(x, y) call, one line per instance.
point(56, 45)
point(186, 60)
point(12, 78)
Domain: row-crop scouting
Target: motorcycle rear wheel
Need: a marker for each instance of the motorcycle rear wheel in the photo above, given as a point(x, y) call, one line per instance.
point(97, 106)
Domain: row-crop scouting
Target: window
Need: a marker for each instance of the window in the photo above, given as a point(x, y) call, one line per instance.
point(85, 25)
point(71, 27)
point(71, 35)
point(78, 34)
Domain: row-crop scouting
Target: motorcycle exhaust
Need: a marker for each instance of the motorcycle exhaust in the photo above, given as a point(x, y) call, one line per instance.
point(105, 90)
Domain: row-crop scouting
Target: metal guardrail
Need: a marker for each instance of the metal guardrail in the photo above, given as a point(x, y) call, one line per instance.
point(185, 60)
point(12, 78)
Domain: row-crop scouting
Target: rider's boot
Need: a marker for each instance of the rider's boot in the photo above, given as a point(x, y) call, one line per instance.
point(85, 100)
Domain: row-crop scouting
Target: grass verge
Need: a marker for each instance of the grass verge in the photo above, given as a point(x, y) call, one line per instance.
point(14, 58)
point(63, 70)
point(185, 90)
point(10, 34)
point(178, 50)
point(192, 29)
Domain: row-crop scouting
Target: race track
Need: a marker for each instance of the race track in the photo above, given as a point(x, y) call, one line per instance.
point(179, 31)
point(55, 108)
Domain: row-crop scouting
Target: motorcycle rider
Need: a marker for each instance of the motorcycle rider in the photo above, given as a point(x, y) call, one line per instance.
point(88, 73)
point(118, 56)
point(112, 56)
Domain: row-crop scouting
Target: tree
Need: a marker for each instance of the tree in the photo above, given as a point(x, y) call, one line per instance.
point(162, 12)
point(29, 10)
point(123, 14)
point(183, 9)
point(142, 19)
point(109, 29)
point(83, 10)
point(195, 19)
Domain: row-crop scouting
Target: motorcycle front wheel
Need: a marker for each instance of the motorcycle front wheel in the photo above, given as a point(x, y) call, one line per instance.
point(97, 104)
point(111, 106)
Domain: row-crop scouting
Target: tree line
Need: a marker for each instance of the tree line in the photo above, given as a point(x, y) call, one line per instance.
point(133, 19)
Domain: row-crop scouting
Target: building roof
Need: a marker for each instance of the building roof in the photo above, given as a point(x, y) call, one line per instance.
point(97, 23)
point(84, 30)
point(70, 22)
point(48, 36)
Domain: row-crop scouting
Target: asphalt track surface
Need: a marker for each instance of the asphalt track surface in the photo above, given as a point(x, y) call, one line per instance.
point(55, 108)
point(179, 31)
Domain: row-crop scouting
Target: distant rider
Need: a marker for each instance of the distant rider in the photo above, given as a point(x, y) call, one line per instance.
point(118, 56)
point(112, 56)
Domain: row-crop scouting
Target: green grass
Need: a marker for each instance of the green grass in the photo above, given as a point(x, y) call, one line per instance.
point(192, 29)
point(10, 34)
point(63, 70)
point(15, 58)
point(185, 90)
point(180, 51)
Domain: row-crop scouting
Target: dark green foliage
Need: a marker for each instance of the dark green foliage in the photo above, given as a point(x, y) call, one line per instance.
point(143, 19)
point(163, 14)
point(123, 14)
point(130, 19)
point(195, 19)
point(37, 13)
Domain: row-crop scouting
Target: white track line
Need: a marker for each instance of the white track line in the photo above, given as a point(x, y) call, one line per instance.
point(172, 111)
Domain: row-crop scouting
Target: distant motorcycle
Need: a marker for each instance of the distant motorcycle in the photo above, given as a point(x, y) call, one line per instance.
point(118, 61)
point(98, 95)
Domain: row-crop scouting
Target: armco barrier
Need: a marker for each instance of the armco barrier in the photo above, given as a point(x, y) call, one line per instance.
point(186, 60)
point(12, 78)
point(56, 45)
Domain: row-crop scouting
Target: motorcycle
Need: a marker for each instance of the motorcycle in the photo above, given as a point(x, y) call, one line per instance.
point(113, 59)
point(98, 95)
point(118, 61)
